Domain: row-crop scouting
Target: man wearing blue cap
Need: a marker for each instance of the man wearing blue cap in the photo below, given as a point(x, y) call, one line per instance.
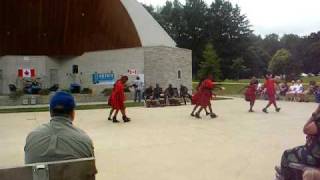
point(59, 139)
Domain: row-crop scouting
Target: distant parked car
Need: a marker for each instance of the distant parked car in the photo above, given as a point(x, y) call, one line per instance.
point(304, 75)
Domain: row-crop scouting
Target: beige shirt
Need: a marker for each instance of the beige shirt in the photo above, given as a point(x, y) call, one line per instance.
point(57, 140)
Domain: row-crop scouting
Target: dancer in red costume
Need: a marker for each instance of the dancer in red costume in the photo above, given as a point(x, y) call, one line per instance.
point(195, 99)
point(117, 99)
point(250, 94)
point(109, 104)
point(205, 96)
point(270, 86)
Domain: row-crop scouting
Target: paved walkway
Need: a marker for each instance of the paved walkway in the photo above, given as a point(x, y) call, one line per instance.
point(47, 105)
point(167, 144)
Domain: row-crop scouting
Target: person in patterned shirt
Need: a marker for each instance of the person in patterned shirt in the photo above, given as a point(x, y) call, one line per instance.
point(308, 154)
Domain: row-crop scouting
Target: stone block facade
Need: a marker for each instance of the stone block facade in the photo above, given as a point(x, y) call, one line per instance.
point(165, 65)
point(160, 64)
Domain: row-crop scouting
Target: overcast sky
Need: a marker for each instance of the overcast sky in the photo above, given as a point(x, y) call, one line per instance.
point(275, 16)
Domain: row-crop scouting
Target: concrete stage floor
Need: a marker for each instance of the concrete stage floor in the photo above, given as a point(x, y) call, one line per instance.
point(167, 144)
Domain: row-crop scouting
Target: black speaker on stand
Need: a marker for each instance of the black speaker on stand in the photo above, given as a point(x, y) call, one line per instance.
point(75, 69)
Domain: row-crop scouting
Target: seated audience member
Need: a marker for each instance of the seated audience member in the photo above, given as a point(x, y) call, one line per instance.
point(184, 93)
point(260, 90)
point(311, 89)
point(283, 88)
point(59, 139)
point(157, 92)
point(299, 91)
point(171, 95)
point(290, 96)
point(169, 92)
point(148, 93)
point(307, 154)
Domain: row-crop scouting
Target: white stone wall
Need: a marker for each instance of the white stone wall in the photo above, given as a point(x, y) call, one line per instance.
point(158, 64)
point(163, 63)
point(117, 61)
point(10, 65)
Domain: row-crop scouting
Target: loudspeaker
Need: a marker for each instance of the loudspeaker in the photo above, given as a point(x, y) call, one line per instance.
point(75, 69)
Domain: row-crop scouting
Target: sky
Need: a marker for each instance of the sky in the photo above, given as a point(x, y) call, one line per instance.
point(275, 16)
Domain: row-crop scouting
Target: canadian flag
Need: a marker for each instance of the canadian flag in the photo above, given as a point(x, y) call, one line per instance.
point(26, 73)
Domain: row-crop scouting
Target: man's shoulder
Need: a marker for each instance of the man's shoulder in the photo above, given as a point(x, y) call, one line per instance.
point(42, 129)
point(81, 134)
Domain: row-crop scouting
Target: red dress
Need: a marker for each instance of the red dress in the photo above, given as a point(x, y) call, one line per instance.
point(195, 96)
point(250, 93)
point(271, 91)
point(205, 93)
point(117, 97)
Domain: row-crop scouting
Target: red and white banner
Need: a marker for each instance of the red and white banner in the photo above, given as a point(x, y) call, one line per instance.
point(26, 73)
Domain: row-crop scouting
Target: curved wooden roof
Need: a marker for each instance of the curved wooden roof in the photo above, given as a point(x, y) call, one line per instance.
point(64, 27)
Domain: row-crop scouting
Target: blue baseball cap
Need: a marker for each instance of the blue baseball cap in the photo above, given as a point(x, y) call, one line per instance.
point(63, 101)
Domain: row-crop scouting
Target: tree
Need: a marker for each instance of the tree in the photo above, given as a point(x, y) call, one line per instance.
point(194, 36)
point(312, 60)
point(238, 67)
point(271, 43)
point(293, 43)
point(174, 21)
point(311, 53)
point(229, 31)
point(256, 59)
point(280, 62)
point(223, 25)
point(210, 63)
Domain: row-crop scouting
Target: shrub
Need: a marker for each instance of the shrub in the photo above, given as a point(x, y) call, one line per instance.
point(126, 89)
point(107, 91)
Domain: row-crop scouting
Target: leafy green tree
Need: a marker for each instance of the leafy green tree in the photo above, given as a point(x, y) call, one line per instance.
point(280, 62)
point(256, 59)
point(312, 60)
point(210, 63)
point(194, 36)
point(222, 24)
point(229, 31)
point(238, 67)
point(175, 23)
point(271, 43)
point(293, 43)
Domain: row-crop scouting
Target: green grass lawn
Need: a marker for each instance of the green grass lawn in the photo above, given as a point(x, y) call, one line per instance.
point(238, 89)
point(230, 89)
point(308, 79)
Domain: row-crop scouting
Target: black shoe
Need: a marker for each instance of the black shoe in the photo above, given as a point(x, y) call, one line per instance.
point(278, 109)
point(197, 116)
point(264, 110)
point(251, 110)
point(114, 120)
point(109, 118)
point(192, 115)
point(213, 115)
point(126, 119)
point(207, 114)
